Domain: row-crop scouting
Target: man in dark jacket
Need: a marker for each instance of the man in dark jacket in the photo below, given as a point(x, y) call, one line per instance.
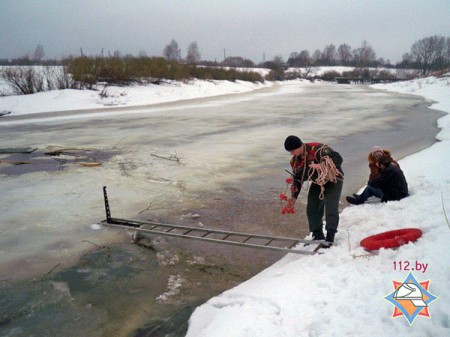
point(391, 182)
point(307, 162)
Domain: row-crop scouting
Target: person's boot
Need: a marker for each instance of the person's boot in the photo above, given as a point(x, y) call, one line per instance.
point(329, 240)
point(330, 236)
point(353, 200)
point(318, 235)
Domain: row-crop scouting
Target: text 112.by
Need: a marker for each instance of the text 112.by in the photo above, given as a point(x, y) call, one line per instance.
point(410, 266)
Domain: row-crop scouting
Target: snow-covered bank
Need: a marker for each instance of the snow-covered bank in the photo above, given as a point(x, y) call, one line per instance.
point(342, 292)
point(170, 91)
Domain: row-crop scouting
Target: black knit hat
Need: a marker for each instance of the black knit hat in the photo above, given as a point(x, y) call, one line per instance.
point(292, 143)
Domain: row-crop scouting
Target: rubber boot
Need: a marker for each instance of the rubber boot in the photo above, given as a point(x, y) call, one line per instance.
point(353, 200)
point(329, 239)
point(330, 236)
point(318, 235)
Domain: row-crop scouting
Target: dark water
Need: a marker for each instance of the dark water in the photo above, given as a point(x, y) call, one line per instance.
point(124, 289)
point(116, 291)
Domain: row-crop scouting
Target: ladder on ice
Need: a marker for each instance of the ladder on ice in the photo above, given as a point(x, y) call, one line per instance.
point(269, 242)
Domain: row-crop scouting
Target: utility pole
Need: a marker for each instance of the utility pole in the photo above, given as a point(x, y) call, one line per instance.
point(224, 54)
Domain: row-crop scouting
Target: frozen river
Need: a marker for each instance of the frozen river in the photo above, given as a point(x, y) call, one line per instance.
point(221, 158)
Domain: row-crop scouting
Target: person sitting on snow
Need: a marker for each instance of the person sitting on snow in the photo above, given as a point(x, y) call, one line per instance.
point(374, 156)
point(389, 185)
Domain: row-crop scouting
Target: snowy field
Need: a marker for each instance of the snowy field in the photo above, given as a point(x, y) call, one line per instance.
point(342, 291)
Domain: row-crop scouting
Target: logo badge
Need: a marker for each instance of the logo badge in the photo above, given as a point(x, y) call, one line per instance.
point(411, 299)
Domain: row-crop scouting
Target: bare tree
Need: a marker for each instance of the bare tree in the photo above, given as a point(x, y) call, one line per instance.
point(39, 53)
point(317, 56)
point(193, 53)
point(430, 53)
point(172, 52)
point(344, 54)
point(278, 60)
point(407, 57)
point(329, 55)
point(293, 55)
point(382, 61)
point(302, 59)
point(233, 61)
point(306, 63)
point(238, 61)
point(365, 55)
point(407, 61)
point(292, 60)
point(305, 58)
point(447, 51)
point(276, 67)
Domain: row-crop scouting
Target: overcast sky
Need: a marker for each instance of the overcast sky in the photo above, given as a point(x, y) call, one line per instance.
point(247, 28)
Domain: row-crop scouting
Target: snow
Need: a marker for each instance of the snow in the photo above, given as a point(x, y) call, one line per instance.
point(340, 292)
point(138, 95)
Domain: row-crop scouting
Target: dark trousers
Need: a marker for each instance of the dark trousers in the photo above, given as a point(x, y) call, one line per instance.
point(368, 192)
point(330, 204)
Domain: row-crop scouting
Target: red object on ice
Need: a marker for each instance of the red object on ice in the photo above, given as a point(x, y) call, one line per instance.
point(391, 239)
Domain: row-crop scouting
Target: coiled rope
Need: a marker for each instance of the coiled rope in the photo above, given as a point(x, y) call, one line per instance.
point(326, 172)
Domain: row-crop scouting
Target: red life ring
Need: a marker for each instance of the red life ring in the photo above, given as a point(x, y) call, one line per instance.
point(391, 239)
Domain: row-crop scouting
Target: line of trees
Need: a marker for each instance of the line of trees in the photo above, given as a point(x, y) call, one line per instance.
point(344, 55)
point(427, 54)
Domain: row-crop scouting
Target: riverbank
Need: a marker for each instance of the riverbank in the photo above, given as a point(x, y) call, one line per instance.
point(113, 98)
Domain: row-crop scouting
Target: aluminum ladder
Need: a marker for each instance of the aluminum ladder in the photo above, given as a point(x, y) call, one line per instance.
point(276, 243)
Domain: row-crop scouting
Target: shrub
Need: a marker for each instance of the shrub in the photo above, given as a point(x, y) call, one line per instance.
point(32, 79)
point(115, 70)
point(274, 75)
point(330, 75)
point(23, 80)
